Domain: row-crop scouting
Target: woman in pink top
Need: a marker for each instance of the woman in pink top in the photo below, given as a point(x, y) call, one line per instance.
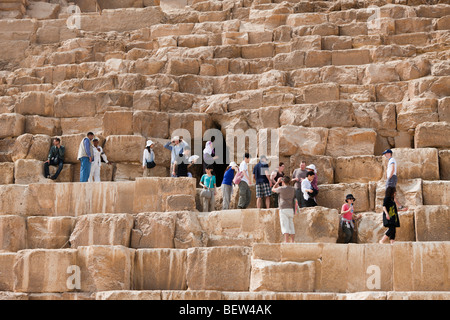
point(347, 224)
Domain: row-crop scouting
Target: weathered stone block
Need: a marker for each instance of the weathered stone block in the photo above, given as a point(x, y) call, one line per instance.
point(102, 229)
point(154, 230)
point(49, 232)
point(431, 223)
point(429, 134)
point(355, 169)
point(117, 123)
point(350, 142)
point(11, 125)
point(6, 172)
point(124, 148)
point(333, 195)
point(206, 270)
point(160, 269)
point(436, 192)
point(13, 233)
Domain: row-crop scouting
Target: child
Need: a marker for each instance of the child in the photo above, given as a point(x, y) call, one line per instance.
point(347, 224)
point(208, 182)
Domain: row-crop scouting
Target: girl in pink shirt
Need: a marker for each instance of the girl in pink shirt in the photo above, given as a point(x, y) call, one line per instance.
point(347, 224)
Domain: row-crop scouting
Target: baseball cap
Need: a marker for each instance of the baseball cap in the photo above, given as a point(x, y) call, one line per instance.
point(387, 151)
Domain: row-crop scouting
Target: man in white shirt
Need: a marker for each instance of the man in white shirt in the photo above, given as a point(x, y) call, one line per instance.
point(391, 174)
point(306, 187)
point(244, 189)
point(97, 162)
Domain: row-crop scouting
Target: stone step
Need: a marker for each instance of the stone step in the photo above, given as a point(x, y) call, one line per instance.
point(63, 199)
point(264, 267)
point(184, 229)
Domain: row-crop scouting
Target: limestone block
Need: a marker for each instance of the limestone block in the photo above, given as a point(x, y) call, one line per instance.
point(43, 10)
point(436, 192)
point(188, 231)
point(154, 230)
point(105, 268)
point(40, 146)
point(43, 270)
point(124, 148)
point(11, 125)
point(428, 134)
point(36, 103)
point(13, 199)
point(282, 276)
point(316, 224)
point(49, 232)
point(128, 295)
point(191, 295)
point(74, 105)
point(151, 124)
point(350, 57)
point(431, 223)
point(409, 193)
point(241, 227)
point(358, 169)
point(444, 164)
point(29, 171)
point(102, 229)
point(307, 141)
point(129, 171)
point(206, 271)
point(160, 269)
point(6, 172)
point(304, 19)
point(415, 163)
point(42, 125)
point(369, 229)
point(289, 61)
point(150, 191)
point(187, 121)
point(81, 125)
point(117, 123)
point(147, 100)
point(7, 260)
point(333, 195)
point(343, 142)
point(359, 258)
point(66, 174)
point(418, 295)
point(178, 67)
point(420, 266)
point(12, 233)
point(444, 109)
point(412, 113)
point(180, 202)
point(74, 199)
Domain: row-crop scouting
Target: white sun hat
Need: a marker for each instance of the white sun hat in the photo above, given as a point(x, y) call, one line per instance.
point(149, 143)
point(312, 167)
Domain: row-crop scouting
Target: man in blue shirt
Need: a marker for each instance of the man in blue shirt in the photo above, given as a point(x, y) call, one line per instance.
point(263, 186)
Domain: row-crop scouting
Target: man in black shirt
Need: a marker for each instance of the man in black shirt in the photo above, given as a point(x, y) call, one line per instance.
point(55, 158)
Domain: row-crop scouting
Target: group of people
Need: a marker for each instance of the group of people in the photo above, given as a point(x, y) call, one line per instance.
point(90, 155)
point(288, 194)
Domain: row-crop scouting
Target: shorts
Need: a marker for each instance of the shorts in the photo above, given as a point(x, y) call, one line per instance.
point(392, 182)
point(287, 221)
point(263, 190)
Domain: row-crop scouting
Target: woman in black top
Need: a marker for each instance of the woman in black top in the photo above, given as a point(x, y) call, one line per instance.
point(391, 219)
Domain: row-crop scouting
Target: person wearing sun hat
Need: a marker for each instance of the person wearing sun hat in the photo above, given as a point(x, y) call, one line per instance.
point(227, 184)
point(176, 146)
point(347, 217)
point(148, 158)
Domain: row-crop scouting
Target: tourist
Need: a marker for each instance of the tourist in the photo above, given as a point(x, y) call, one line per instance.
point(314, 183)
point(308, 191)
point(391, 173)
point(261, 177)
point(286, 207)
point(55, 158)
point(182, 163)
point(391, 219)
point(297, 177)
point(208, 183)
point(227, 184)
point(347, 223)
point(277, 174)
point(85, 155)
point(96, 164)
point(244, 189)
point(148, 159)
point(209, 153)
point(175, 146)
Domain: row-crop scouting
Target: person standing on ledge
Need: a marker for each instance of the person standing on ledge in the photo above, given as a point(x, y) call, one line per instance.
point(244, 189)
point(391, 219)
point(96, 164)
point(263, 184)
point(85, 155)
point(286, 207)
point(55, 158)
point(176, 146)
point(391, 174)
point(347, 224)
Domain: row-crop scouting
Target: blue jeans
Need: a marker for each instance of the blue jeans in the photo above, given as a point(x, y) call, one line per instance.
point(85, 169)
